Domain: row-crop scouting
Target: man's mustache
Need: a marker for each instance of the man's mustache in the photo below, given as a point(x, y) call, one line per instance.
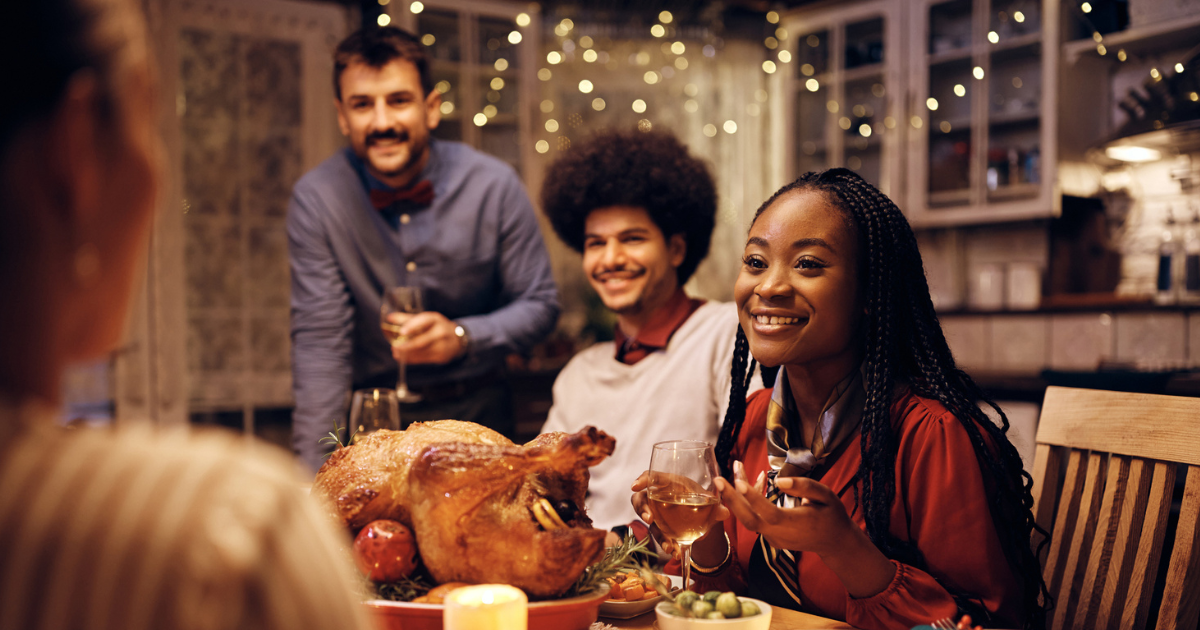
point(387, 134)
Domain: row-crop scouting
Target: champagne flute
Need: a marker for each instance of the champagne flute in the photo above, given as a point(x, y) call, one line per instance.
point(374, 409)
point(405, 300)
point(683, 497)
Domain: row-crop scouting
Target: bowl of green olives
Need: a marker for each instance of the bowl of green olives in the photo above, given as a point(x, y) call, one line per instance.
point(713, 609)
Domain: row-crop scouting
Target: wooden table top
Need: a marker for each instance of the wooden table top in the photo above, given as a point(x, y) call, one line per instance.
point(781, 619)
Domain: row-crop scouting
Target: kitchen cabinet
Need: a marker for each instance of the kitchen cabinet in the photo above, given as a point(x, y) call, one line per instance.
point(947, 105)
point(981, 111)
point(844, 90)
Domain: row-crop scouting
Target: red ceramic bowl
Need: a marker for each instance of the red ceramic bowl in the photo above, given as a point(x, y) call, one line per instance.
point(575, 613)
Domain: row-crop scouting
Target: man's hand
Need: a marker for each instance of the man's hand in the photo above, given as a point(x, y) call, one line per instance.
point(431, 338)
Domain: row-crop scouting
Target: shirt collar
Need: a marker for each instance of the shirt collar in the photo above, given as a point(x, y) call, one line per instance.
point(662, 323)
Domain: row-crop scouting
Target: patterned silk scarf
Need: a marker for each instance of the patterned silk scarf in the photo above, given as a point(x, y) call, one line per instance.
point(789, 458)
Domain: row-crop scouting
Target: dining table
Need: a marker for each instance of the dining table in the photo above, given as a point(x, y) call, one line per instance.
point(781, 619)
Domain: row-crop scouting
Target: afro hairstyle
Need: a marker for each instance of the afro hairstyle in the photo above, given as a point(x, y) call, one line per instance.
point(649, 170)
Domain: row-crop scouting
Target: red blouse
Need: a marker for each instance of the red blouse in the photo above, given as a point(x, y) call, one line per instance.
point(940, 505)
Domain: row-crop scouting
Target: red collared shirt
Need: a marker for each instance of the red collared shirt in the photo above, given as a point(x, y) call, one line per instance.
point(657, 332)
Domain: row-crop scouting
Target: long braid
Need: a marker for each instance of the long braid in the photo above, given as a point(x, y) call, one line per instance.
point(905, 342)
point(735, 414)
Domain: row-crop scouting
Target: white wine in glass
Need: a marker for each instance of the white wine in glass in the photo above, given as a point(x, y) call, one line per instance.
point(683, 497)
point(399, 304)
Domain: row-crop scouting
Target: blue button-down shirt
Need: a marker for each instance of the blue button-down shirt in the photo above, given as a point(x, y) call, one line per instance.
point(476, 251)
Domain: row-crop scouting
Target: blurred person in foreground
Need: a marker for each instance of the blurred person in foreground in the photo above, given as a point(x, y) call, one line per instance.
point(398, 207)
point(641, 210)
point(123, 528)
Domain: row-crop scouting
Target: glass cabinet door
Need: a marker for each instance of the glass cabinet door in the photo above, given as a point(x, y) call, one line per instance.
point(844, 89)
point(981, 141)
point(480, 54)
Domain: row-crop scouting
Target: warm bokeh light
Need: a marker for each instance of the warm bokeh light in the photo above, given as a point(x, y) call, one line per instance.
point(644, 125)
point(497, 83)
point(657, 30)
point(1018, 16)
point(812, 85)
point(807, 70)
point(832, 106)
point(916, 122)
point(490, 111)
point(959, 90)
point(730, 127)
point(585, 86)
point(931, 103)
point(710, 130)
point(772, 17)
point(514, 37)
point(681, 63)
point(385, 19)
point(547, 106)
point(479, 120)
point(945, 126)
point(586, 41)
point(665, 17)
point(501, 64)
point(993, 37)
point(691, 106)
point(1086, 7)
point(768, 66)
point(598, 104)
point(551, 125)
point(523, 19)
point(416, 7)
point(442, 86)
point(785, 56)
point(864, 130)
point(639, 106)
point(589, 56)
point(447, 108)
point(977, 72)
point(678, 48)
point(554, 57)
point(651, 77)
point(428, 39)
point(542, 146)
point(544, 74)
point(691, 89)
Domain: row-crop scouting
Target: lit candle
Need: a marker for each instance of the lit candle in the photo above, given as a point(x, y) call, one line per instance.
point(486, 607)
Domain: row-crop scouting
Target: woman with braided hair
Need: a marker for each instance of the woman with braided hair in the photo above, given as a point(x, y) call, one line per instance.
point(882, 494)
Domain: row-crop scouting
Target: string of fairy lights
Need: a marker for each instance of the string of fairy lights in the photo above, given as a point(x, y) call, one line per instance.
point(677, 54)
point(583, 52)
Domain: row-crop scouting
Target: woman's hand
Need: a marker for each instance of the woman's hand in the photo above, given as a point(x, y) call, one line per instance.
point(819, 524)
point(641, 504)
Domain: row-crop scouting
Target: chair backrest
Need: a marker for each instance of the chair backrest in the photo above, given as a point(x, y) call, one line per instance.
point(1104, 474)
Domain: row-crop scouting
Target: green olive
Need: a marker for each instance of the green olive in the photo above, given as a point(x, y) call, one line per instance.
point(711, 596)
point(749, 609)
point(686, 599)
point(716, 614)
point(701, 608)
point(729, 605)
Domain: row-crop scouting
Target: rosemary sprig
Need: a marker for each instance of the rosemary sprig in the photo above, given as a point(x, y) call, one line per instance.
point(406, 590)
point(622, 556)
point(335, 437)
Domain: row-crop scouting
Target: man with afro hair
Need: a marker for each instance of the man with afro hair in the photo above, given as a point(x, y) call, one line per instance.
point(641, 211)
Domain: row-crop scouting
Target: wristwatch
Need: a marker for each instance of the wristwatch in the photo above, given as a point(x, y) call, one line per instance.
point(464, 339)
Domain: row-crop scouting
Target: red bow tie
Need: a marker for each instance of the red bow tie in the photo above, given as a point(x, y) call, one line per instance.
point(420, 193)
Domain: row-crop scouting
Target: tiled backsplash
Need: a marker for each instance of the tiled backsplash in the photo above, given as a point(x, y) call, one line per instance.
point(1029, 343)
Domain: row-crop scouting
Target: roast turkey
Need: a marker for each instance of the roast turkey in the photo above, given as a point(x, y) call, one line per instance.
point(483, 509)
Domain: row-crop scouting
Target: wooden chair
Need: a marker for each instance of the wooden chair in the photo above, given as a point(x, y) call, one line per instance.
point(1103, 478)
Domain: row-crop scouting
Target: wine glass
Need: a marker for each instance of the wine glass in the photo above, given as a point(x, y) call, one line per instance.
point(374, 409)
point(399, 304)
point(683, 497)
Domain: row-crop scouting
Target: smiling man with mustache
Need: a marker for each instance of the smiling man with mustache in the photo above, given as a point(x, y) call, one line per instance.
point(641, 211)
point(399, 207)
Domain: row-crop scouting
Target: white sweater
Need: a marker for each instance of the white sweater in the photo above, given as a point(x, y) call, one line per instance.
point(678, 393)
